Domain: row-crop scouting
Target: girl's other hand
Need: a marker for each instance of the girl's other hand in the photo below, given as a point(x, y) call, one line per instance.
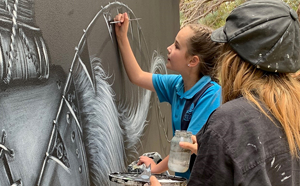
point(191, 146)
point(147, 161)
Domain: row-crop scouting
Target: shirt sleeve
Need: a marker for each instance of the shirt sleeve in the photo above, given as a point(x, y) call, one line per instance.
point(164, 86)
point(212, 166)
point(209, 102)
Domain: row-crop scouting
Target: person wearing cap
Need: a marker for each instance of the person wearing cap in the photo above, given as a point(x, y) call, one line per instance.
point(253, 138)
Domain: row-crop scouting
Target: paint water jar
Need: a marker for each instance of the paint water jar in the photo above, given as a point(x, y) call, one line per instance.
point(179, 158)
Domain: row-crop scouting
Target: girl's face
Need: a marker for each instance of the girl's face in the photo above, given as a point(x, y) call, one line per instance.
point(178, 59)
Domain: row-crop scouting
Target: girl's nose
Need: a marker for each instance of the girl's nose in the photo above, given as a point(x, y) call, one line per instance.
point(169, 50)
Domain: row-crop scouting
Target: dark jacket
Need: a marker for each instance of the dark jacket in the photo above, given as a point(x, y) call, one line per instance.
point(239, 145)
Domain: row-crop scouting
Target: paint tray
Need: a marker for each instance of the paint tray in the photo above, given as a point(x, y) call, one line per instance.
point(131, 179)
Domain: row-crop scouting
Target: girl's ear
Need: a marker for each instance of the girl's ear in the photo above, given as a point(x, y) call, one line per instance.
point(194, 61)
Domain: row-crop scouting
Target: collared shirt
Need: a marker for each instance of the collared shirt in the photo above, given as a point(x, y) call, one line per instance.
point(239, 146)
point(170, 88)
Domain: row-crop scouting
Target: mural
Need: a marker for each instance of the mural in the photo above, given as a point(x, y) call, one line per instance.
point(69, 115)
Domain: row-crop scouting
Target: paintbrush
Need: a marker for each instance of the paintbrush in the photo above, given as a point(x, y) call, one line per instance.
point(112, 22)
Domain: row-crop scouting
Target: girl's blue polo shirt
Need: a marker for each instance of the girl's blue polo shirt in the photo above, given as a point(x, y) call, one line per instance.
point(170, 88)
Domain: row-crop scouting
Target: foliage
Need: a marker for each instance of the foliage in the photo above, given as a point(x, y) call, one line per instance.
point(213, 13)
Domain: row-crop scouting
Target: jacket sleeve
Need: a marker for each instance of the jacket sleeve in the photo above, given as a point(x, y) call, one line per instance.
point(212, 166)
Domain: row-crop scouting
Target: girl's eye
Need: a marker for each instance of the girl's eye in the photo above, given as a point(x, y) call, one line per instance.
point(176, 46)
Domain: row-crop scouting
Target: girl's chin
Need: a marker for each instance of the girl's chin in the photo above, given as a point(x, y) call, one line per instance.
point(168, 66)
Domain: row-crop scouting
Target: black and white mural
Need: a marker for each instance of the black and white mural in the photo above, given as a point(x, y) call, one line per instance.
point(68, 113)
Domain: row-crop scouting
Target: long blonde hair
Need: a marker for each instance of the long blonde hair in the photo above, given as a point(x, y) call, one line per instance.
point(279, 92)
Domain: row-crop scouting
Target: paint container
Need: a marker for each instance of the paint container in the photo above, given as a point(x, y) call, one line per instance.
point(129, 179)
point(179, 158)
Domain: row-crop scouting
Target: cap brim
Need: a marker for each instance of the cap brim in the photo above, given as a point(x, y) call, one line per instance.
point(219, 36)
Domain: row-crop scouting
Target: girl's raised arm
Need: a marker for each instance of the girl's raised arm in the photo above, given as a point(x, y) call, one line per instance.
point(134, 72)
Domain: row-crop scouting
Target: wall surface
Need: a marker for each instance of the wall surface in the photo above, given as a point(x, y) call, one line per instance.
point(69, 115)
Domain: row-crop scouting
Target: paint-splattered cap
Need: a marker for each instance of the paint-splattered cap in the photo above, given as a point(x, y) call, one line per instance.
point(265, 33)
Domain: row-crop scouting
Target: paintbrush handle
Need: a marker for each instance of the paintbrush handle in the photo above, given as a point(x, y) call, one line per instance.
point(129, 20)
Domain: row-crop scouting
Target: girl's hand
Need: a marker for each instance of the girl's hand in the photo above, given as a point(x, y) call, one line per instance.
point(122, 27)
point(147, 161)
point(191, 146)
